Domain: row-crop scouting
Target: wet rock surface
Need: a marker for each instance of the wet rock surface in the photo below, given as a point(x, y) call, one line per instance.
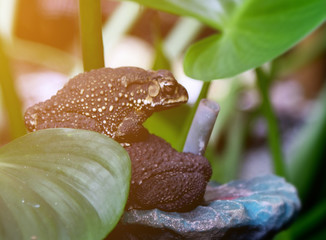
point(242, 209)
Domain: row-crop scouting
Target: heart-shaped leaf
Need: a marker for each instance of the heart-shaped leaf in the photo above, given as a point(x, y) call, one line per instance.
point(205, 11)
point(252, 32)
point(62, 184)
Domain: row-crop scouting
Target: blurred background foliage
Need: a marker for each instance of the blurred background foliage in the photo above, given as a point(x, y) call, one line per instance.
point(272, 119)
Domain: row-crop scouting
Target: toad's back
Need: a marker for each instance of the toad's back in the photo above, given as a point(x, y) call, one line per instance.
point(111, 101)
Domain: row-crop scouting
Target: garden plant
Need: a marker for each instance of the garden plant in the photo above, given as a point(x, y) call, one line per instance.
point(74, 184)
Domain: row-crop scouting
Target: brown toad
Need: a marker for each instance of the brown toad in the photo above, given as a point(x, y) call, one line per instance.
point(164, 178)
point(114, 102)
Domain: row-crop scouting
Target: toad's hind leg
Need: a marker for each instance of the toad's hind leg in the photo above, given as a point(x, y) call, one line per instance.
point(65, 120)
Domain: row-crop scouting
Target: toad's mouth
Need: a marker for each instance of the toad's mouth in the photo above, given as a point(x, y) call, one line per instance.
point(173, 102)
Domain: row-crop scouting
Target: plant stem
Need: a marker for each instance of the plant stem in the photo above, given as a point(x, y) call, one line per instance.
point(274, 139)
point(235, 140)
point(202, 94)
point(10, 98)
point(91, 33)
point(201, 127)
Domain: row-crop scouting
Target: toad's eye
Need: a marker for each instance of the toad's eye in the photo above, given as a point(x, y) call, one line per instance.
point(169, 88)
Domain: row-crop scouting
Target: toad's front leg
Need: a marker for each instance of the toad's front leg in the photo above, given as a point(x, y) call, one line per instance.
point(131, 128)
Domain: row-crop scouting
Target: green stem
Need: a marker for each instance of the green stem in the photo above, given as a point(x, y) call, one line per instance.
point(274, 139)
point(10, 98)
point(234, 147)
point(90, 17)
point(202, 94)
point(306, 223)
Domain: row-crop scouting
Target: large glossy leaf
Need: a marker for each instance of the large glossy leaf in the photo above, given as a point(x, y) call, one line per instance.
point(62, 184)
point(211, 12)
point(252, 32)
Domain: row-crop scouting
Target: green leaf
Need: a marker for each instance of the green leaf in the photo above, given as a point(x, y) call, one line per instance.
point(308, 223)
point(307, 154)
point(205, 11)
point(321, 235)
point(252, 32)
point(62, 184)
